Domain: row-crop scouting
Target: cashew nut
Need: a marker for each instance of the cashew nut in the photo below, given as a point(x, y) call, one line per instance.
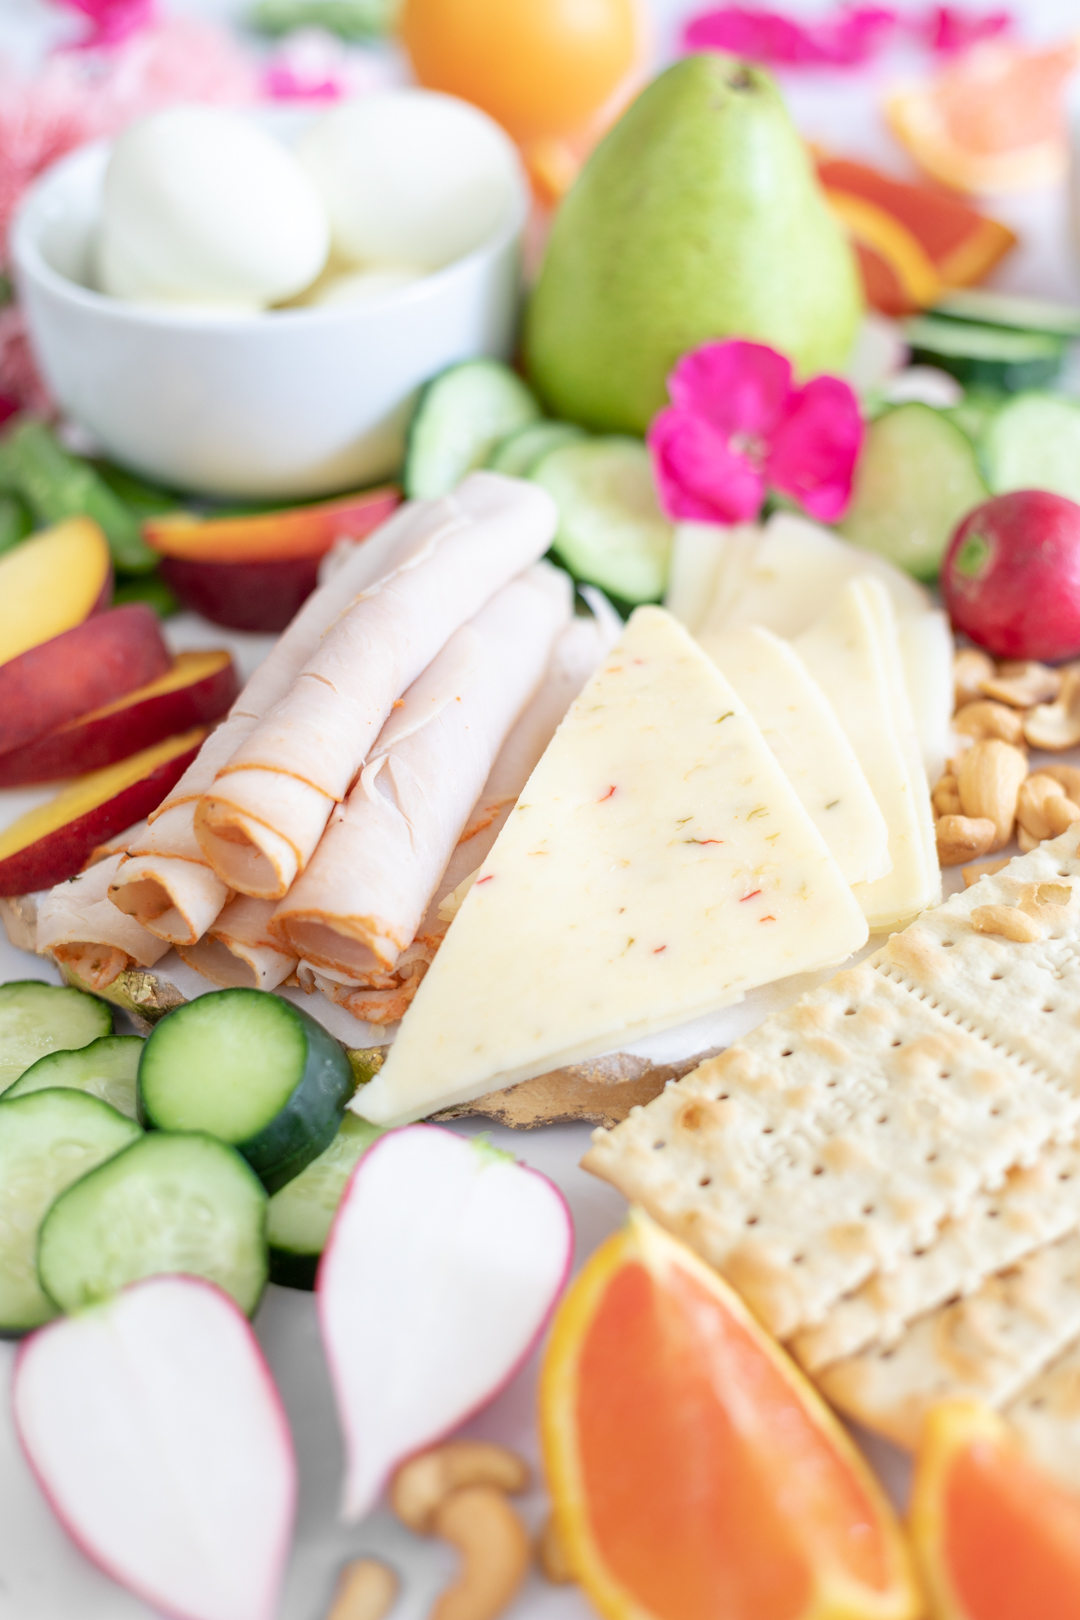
point(970, 669)
point(551, 1554)
point(421, 1484)
point(986, 719)
point(1068, 776)
point(972, 874)
point(1026, 841)
point(1008, 921)
point(1056, 725)
point(1032, 804)
point(961, 837)
point(1024, 684)
point(989, 777)
point(366, 1590)
point(495, 1553)
point(946, 797)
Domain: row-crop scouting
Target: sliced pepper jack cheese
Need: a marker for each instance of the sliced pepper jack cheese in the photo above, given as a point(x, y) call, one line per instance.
point(798, 723)
point(658, 865)
point(853, 655)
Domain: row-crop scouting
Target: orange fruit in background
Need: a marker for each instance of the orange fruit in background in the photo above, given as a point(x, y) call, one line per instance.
point(995, 121)
point(541, 68)
point(995, 1538)
point(695, 1474)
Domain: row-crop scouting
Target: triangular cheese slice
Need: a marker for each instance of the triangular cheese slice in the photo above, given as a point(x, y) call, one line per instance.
point(852, 653)
point(657, 866)
point(799, 725)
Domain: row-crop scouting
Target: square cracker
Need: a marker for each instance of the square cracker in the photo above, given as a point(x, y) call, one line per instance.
point(830, 1142)
point(1046, 1415)
point(987, 1347)
point(1025, 997)
point(1034, 1206)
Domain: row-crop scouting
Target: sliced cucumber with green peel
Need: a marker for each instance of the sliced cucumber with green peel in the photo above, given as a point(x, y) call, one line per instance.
point(1033, 443)
point(612, 532)
point(974, 412)
point(986, 356)
point(252, 1070)
point(37, 1018)
point(300, 1215)
point(183, 1203)
point(107, 1069)
point(989, 308)
point(460, 417)
point(519, 454)
point(47, 1141)
point(916, 478)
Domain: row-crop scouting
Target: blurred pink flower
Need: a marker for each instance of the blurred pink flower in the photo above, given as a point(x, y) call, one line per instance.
point(737, 426)
point(111, 20)
point(847, 37)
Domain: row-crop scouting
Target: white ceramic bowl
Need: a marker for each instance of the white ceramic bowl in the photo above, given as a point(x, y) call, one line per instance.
point(290, 403)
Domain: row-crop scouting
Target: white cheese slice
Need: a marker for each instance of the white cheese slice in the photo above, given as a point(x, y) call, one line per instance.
point(797, 570)
point(658, 865)
point(848, 653)
point(926, 651)
point(799, 725)
point(708, 565)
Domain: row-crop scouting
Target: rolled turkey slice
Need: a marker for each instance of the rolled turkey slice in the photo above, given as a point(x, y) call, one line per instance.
point(381, 997)
point(77, 925)
point(261, 822)
point(361, 899)
point(238, 948)
point(166, 883)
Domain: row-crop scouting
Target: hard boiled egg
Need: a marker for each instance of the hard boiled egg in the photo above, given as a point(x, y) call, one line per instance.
point(410, 177)
point(202, 207)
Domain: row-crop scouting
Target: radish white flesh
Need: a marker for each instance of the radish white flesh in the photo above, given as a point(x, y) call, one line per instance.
point(443, 1265)
point(156, 1432)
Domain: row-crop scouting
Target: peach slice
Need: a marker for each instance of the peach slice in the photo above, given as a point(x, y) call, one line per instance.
point(302, 531)
point(262, 597)
point(60, 679)
point(52, 582)
point(198, 689)
point(52, 843)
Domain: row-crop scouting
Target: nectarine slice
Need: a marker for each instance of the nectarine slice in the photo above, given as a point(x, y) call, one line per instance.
point(198, 689)
point(99, 660)
point(52, 582)
point(995, 1537)
point(53, 842)
point(302, 531)
point(694, 1471)
point(258, 596)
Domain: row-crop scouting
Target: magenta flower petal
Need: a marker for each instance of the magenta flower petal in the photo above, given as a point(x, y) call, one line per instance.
point(699, 478)
point(813, 454)
point(741, 389)
point(846, 37)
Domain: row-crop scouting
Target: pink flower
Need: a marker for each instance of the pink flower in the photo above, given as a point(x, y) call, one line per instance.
point(850, 36)
point(738, 427)
point(111, 21)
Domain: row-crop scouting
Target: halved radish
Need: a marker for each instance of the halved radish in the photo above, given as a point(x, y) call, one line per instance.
point(443, 1265)
point(157, 1434)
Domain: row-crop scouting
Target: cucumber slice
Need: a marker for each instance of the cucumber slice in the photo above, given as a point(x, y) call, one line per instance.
point(299, 1217)
point(612, 532)
point(47, 1141)
point(988, 308)
point(36, 1018)
point(460, 418)
point(916, 478)
point(183, 1203)
point(519, 454)
point(975, 411)
point(1033, 443)
point(252, 1070)
point(986, 356)
point(106, 1068)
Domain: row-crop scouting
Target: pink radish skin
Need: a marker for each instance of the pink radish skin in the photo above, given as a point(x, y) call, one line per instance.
point(156, 1432)
point(1011, 576)
point(442, 1269)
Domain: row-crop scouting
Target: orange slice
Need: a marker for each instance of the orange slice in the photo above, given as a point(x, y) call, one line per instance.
point(694, 1472)
point(995, 1538)
point(995, 121)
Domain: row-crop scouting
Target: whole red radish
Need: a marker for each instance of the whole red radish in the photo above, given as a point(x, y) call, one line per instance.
point(1011, 576)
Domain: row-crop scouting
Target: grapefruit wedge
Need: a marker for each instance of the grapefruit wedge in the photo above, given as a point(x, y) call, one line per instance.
point(695, 1474)
point(995, 1537)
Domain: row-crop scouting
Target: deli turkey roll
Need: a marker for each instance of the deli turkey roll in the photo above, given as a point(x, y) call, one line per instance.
point(361, 899)
point(261, 821)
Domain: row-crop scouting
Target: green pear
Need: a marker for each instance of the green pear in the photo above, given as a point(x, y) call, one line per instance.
point(698, 216)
